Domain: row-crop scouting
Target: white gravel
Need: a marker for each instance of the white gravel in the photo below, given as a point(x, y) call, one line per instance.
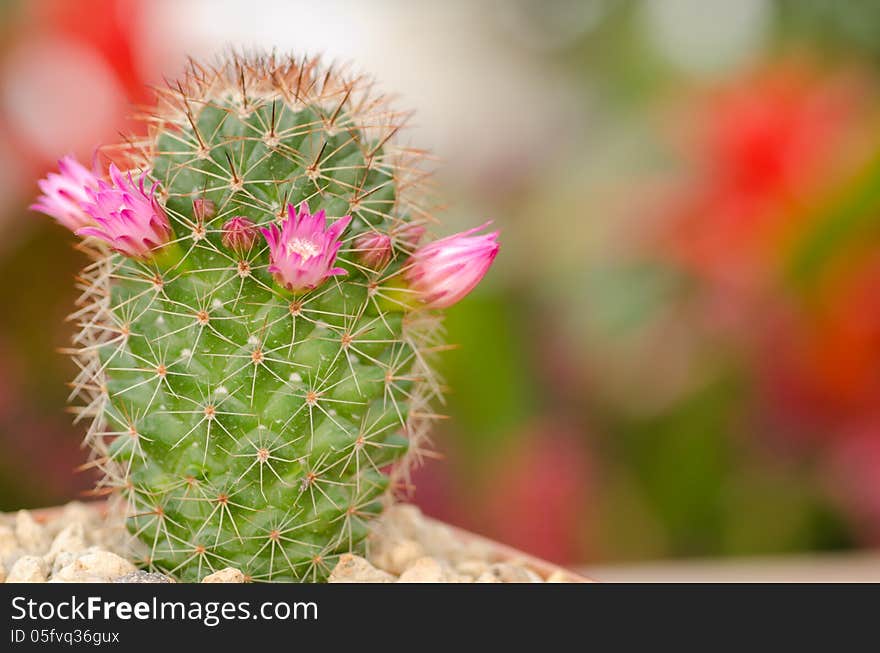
point(78, 545)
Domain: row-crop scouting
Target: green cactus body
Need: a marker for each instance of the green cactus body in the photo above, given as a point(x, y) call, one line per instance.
point(245, 425)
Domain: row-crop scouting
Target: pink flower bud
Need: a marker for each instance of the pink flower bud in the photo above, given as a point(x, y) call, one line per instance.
point(444, 271)
point(204, 209)
point(409, 235)
point(239, 234)
point(126, 216)
point(373, 249)
point(65, 192)
point(302, 252)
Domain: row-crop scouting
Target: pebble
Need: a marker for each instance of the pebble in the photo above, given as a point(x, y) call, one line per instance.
point(403, 518)
point(94, 566)
point(141, 576)
point(28, 569)
point(30, 535)
point(71, 539)
point(64, 559)
point(77, 512)
point(8, 542)
point(227, 575)
point(473, 568)
point(508, 573)
point(355, 569)
point(2, 573)
point(424, 570)
point(487, 577)
point(399, 556)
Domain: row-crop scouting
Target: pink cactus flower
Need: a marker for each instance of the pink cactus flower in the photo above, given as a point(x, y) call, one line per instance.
point(239, 234)
point(302, 252)
point(126, 216)
point(65, 192)
point(373, 249)
point(444, 271)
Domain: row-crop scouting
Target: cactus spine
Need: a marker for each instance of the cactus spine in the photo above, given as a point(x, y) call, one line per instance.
point(245, 424)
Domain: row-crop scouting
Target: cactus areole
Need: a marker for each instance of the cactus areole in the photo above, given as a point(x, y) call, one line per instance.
point(256, 386)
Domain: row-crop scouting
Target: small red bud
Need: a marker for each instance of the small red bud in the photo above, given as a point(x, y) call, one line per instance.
point(204, 209)
point(409, 235)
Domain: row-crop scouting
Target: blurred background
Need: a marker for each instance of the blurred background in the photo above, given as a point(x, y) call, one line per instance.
point(677, 353)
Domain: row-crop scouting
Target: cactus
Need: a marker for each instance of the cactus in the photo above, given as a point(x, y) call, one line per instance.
point(257, 322)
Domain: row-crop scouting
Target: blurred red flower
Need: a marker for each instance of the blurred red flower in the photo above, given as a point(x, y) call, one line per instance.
point(762, 147)
point(766, 149)
point(537, 495)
